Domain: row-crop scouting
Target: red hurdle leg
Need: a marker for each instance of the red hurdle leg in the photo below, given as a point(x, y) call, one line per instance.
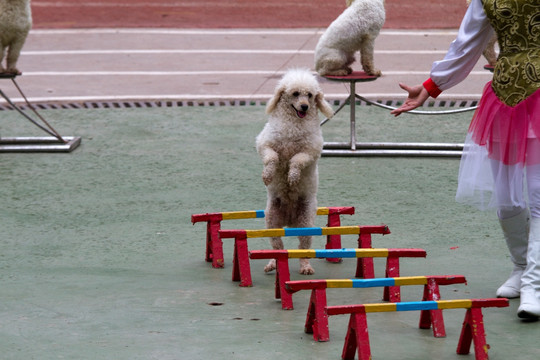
point(282, 276)
point(333, 241)
point(433, 318)
point(214, 245)
point(473, 330)
point(364, 266)
point(392, 293)
point(241, 270)
point(208, 254)
point(357, 337)
point(317, 319)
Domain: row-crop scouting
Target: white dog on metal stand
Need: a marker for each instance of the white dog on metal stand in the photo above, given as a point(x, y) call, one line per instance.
point(354, 30)
point(15, 23)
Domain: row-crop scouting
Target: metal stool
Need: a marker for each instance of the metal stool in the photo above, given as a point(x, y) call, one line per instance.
point(353, 148)
point(53, 143)
point(352, 79)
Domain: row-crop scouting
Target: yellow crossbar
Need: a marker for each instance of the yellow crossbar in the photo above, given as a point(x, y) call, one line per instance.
point(372, 252)
point(295, 254)
point(342, 230)
point(454, 304)
point(339, 283)
point(323, 211)
point(410, 280)
point(235, 215)
point(265, 233)
point(381, 307)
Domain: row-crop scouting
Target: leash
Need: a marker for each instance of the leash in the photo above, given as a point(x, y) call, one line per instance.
point(417, 112)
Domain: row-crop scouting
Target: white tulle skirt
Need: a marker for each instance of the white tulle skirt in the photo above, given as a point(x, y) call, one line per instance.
point(500, 144)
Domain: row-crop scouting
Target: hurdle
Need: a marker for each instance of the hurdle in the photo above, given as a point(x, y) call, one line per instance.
point(241, 269)
point(317, 320)
point(282, 264)
point(214, 245)
point(472, 330)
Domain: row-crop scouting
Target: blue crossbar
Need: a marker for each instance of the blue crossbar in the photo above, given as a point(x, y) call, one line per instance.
point(314, 231)
point(335, 253)
point(417, 305)
point(366, 283)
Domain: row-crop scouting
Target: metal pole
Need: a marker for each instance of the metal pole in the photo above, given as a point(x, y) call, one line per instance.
point(393, 153)
point(352, 104)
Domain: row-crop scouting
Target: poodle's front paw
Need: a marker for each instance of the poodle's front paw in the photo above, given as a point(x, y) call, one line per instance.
point(12, 71)
point(339, 72)
point(268, 173)
point(271, 266)
point(372, 71)
point(490, 56)
point(294, 176)
point(267, 176)
point(305, 267)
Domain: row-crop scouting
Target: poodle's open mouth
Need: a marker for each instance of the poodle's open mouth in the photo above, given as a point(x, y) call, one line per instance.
point(301, 114)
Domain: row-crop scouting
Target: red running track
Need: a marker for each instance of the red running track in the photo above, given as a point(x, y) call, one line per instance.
point(400, 14)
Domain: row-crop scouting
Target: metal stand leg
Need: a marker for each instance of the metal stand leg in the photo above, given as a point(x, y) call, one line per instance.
point(352, 104)
point(54, 143)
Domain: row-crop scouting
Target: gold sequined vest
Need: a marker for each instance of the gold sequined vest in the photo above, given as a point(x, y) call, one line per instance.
point(517, 24)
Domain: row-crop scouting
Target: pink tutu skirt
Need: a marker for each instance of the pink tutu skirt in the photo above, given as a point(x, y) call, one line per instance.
point(501, 141)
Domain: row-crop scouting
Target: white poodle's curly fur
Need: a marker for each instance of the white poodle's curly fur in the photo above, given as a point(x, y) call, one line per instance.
point(15, 23)
point(354, 30)
point(290, 146)
point(489, 52)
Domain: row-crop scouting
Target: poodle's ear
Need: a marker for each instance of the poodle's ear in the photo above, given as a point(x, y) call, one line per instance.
point(323, 105)
point(272, 104)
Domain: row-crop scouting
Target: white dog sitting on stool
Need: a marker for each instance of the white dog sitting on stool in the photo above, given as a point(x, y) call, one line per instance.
point(290, 146)
point(15, 23)
point(354, 30)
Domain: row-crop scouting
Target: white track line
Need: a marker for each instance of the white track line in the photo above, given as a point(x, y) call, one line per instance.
point(211, 51)
point(229, 32)
point(208, 73)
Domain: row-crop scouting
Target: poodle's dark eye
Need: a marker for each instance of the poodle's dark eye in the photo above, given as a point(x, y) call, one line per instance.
point(296, 94)
point(310, 95)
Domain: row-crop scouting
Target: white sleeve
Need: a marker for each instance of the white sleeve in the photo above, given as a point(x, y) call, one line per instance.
point(465, 50)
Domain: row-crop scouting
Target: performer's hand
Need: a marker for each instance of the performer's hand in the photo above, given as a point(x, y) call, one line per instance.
point(417, 96)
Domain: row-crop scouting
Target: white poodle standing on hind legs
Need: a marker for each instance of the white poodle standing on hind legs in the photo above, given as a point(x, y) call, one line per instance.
point(290, 146)
point(354, 30)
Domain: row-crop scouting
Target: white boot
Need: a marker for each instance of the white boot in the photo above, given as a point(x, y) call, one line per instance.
point(516, 234)
point(529, 307)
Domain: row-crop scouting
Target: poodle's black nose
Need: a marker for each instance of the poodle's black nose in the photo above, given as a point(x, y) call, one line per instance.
point(305, 107)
